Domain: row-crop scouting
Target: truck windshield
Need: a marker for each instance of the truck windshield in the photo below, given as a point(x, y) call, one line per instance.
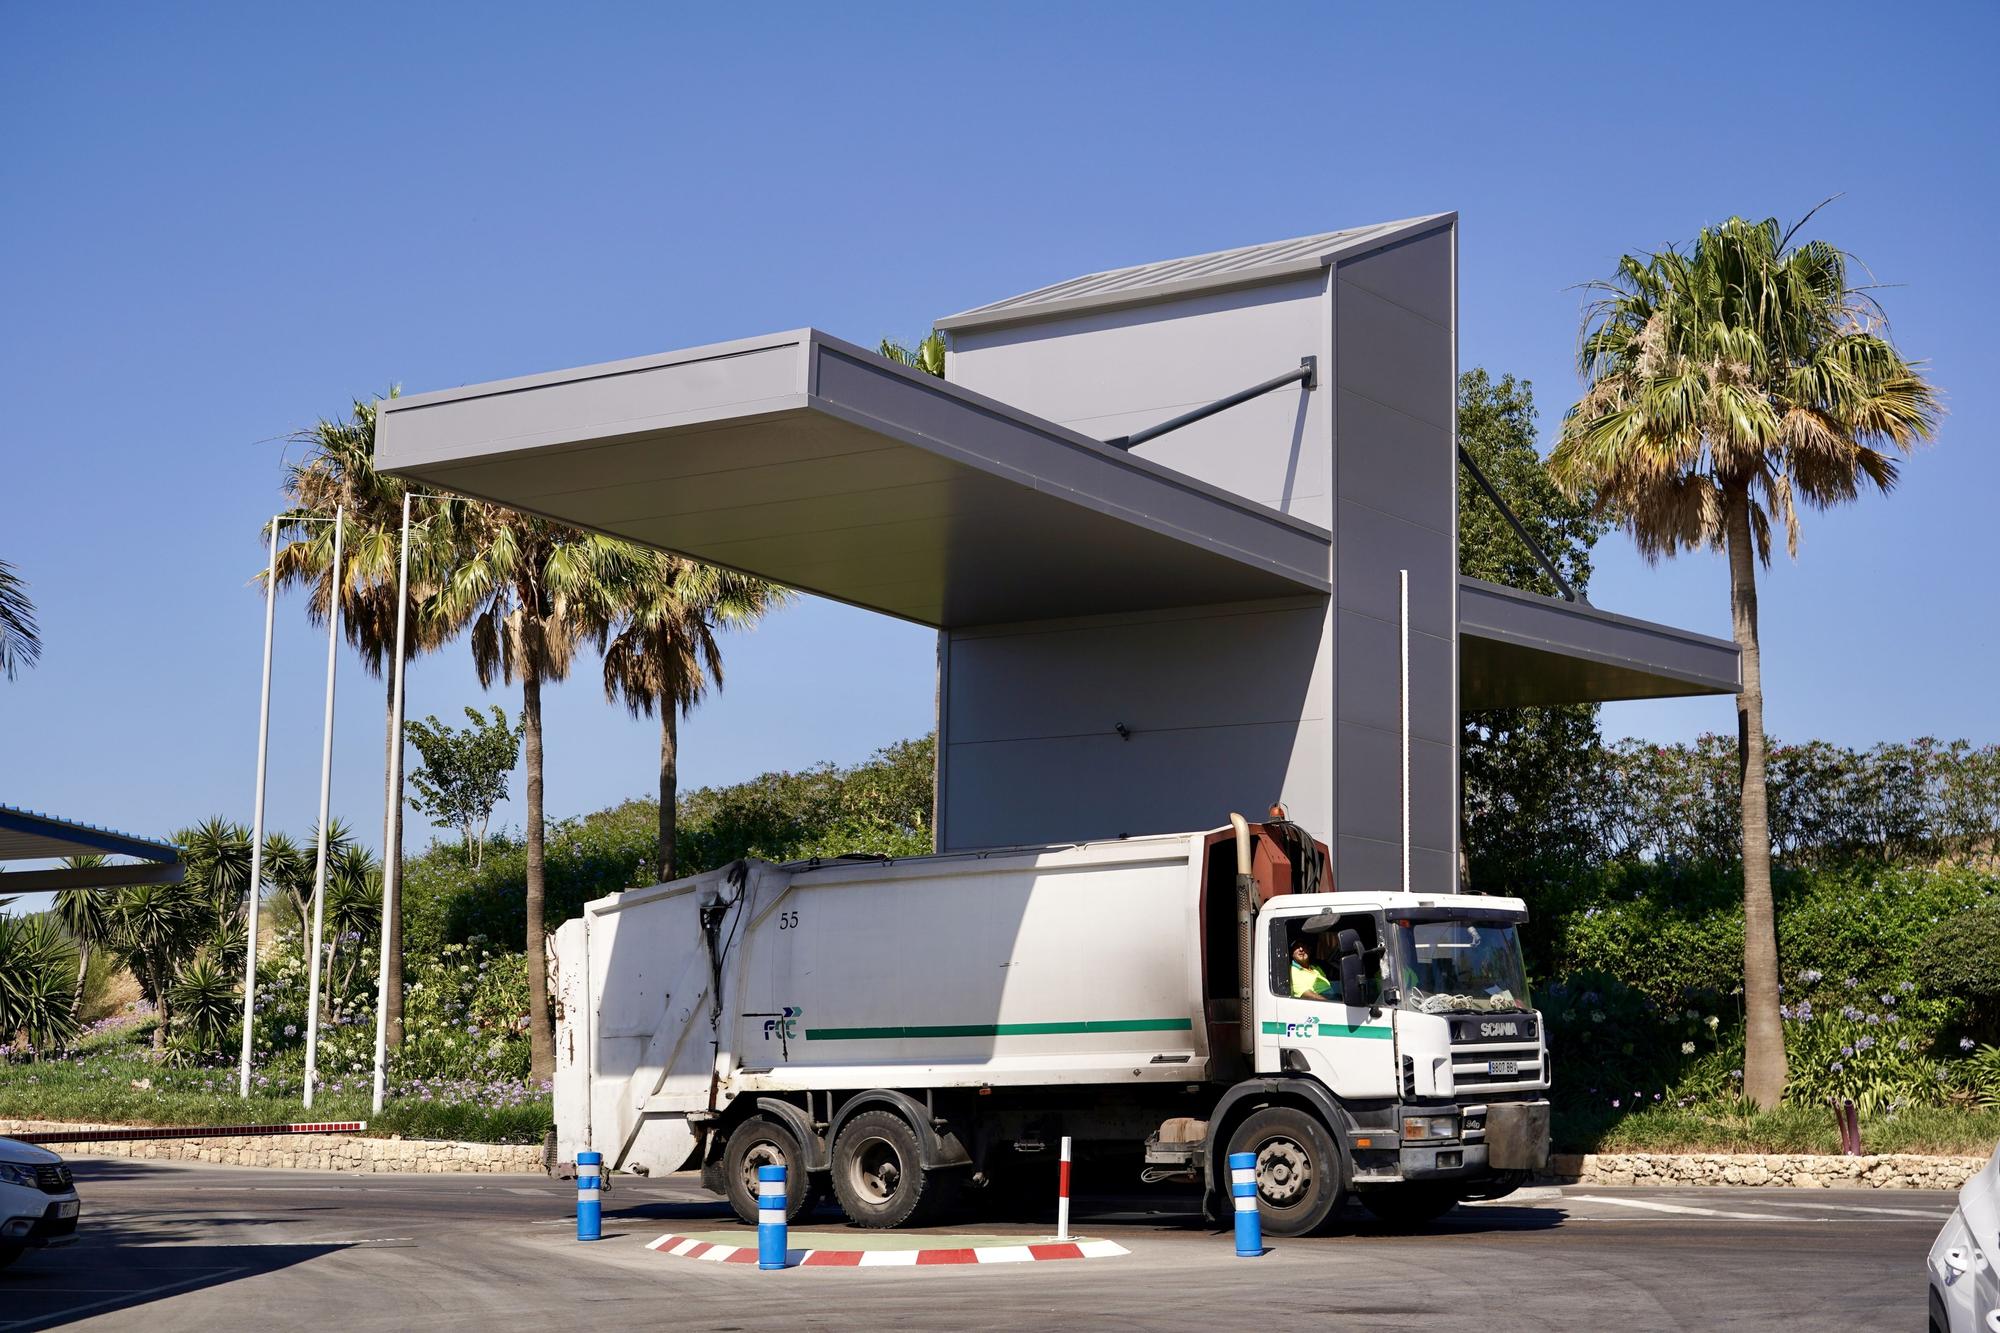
point(1460, 966)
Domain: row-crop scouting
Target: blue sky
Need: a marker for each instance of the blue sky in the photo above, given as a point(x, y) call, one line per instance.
point(222, 222)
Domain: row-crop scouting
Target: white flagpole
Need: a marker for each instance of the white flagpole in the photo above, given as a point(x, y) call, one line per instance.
point(325, 801)
point(391, 844)
point(257, 821)
point(1404, 597)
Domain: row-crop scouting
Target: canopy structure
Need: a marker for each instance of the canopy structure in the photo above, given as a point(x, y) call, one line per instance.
point(26, 835)
point(1518, 649)
point(816, 463)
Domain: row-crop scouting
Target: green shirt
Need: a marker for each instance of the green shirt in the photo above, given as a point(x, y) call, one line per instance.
point(1308, 982)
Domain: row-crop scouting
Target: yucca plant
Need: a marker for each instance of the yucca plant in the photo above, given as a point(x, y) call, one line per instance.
point(37, 967)
point(205, 1003)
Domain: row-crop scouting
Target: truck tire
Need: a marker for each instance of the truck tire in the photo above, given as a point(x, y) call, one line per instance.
point(761, 1142)
point(1406, 1207)
point(878, 1172)
point(1301, 1177)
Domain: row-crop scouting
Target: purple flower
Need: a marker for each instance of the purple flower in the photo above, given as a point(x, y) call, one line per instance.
point(1851, 983)
point(1836, 1066)
point(1965, 1043)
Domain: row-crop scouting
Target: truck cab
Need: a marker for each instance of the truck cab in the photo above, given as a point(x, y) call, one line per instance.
point(1411, 1012)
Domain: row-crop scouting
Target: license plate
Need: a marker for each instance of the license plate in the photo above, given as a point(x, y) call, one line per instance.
point(66, 1209)
point(1503, 1066)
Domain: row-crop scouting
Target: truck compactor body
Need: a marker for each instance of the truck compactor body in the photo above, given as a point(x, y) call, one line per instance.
point(903, 1031)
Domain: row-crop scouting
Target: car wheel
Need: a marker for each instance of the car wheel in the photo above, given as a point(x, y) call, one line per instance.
point(761, 1142)
point(878, 1172)
point(1301, 1177)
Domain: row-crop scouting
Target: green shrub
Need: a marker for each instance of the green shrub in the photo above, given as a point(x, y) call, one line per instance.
point(1961, 958)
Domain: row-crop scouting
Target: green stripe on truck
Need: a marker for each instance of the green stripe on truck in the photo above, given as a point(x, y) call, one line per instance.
point(1002, 1029)
point(1377, 1031)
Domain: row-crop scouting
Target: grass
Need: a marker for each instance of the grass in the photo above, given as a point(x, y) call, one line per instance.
point(112, 1079)
point(1934, 1131)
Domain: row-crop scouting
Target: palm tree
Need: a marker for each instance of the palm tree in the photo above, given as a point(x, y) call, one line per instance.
point(664, 656)
point(534, 592)
point(927, 355)
point(338, 473)
point(1726, 386)
point(91, 918)
point(20, 640)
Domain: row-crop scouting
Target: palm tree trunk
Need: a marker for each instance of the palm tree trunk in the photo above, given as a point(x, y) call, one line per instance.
point(1764, 1034)
point(541, 1034)
point(393, 940)
point(663, 864)
point(82, 970)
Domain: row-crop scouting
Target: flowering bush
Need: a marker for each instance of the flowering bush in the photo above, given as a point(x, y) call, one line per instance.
point(465, 1015)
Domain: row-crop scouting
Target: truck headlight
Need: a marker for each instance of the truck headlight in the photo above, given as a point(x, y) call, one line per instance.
point(1417, 1128)
point(24, 1176)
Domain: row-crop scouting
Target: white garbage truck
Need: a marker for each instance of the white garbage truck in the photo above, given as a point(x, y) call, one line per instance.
point(902, 1032)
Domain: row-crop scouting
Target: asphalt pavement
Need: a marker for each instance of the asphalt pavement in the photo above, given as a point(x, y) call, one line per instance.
point(167, 1247)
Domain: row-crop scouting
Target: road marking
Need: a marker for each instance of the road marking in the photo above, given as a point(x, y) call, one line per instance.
point(1934, 1214)
point(529, 1190)
point(70, 1312)
point(1654, 1206)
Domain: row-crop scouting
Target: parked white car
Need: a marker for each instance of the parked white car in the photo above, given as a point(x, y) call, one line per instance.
point(1964, 1261)
point(38, 1203)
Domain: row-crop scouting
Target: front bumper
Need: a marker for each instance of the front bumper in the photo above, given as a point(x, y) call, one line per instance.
point(49, 1227)
point(1496, 1136)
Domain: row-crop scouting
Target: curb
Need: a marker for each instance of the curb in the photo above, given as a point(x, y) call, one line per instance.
point(686, 1247)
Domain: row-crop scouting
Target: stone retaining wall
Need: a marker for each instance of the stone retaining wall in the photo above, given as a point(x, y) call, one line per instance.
point(302, 1152)
point(1792, 1170)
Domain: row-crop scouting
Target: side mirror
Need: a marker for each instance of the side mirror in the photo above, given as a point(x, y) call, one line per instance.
point(1350, 943)
point(1353, 978)
point(1318, 923)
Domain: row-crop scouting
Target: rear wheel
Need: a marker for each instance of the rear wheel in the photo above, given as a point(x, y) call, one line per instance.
point(761, 1142)
point(878, 1172)
point(1300, 1176)
point(1405, 1206)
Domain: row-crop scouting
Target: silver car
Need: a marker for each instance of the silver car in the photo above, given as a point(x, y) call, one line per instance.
point(1964, 1263)
point(38, 1203)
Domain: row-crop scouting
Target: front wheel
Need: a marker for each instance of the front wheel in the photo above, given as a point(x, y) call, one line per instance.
point(1300, 1175)
point(761, 1142)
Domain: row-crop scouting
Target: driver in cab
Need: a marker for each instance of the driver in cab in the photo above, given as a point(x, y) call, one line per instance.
point(1309, 981)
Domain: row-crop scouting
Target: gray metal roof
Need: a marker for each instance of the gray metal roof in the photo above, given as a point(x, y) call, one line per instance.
point(1518, 649)
point(816, 463)
point(1244, 266)
point(28, 835)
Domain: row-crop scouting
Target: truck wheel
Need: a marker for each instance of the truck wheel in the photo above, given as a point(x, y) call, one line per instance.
point(878, 1174)
point(1406, 1206)
point(1300, 1179)
point(761, 1142)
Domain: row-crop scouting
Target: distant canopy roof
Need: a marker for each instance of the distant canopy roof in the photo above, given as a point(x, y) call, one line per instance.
point(26, 835)
point(814, 462)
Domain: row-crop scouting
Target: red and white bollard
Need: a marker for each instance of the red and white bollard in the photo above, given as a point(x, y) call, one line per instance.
point(1062, 1194)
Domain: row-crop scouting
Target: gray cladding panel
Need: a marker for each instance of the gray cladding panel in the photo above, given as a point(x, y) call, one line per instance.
point(1105, 375)
point(1225, 708)
point(1369, 652)
point(1370, 785)
point(1414, 273)
point(1366, 864)
point(1394, 463)
point(1390, 354)
point(1079, 787)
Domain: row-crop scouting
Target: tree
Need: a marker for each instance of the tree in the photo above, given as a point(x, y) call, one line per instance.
point(665, 656)
point(1524, 769)
point(463, 774)
point(35, 962)
point(927, 355)
point(20, 640)
point(90, 916)
point(337, 473)
point(533, 592)
point(1725, 386)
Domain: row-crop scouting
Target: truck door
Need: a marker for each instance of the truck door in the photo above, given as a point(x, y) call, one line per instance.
point(1351, 1049)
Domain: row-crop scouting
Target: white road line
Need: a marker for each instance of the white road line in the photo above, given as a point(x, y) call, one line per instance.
point(70, 1312)
point(1935, 1214)
point(1653, 1206)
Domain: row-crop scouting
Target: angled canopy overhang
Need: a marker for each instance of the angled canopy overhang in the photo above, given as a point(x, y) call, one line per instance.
point(1517, 649)
point(28, 836)
point(813, 462)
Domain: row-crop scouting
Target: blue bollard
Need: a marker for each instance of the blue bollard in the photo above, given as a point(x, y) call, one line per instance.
point(1243, 1194)
point(589, 1184)
point(771, 1237)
